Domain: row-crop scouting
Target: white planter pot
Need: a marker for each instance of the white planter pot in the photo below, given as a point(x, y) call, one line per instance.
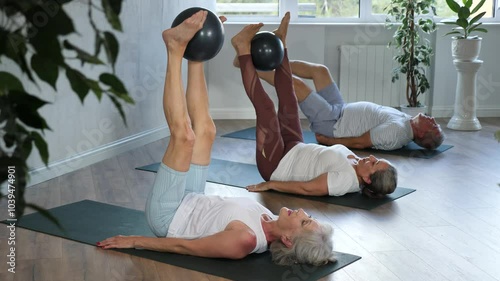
point(413, 111)
point(466, 49)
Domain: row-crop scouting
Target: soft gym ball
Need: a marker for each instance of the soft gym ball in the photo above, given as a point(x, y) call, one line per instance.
point(267, 51)
point(208, 41)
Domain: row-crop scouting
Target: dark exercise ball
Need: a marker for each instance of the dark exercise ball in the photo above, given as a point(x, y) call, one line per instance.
point(208, 41)
point(267, 51)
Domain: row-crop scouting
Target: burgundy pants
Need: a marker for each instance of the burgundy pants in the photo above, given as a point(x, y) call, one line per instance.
point(276, 133)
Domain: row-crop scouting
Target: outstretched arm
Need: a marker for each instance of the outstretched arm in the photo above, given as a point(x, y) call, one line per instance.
point(363, 141)
point(315, 187)
point(231, 244)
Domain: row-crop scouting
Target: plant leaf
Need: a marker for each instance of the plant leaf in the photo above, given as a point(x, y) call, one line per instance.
point(120, 109)
point(32, 119)
point(476, 18)
point(42, 147)
point(111, 14)
point(467, 3)
point(112, 47)
point(463, 13)
point(94, 86)
point(478, 6)
point(497, 135)
point(47, 45)
point(479, 30)
point(463, 23)
point(81, 54)
point(15, 49)
point(46, 214)
point(54, 21)
point(78, 83)
point(25, 101)
point(113, 81)
point(45, 69)
point(453, 5)
point(9, 82)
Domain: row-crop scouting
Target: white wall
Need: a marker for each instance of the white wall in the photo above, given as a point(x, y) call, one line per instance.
point(83, 135)
point(320, 43)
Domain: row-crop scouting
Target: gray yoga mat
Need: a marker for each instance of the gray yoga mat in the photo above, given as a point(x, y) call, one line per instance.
point(89, 222)
point(242, 175)
point(410, 150)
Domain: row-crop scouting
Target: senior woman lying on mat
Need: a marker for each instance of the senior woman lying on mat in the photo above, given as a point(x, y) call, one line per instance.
point(284, 161)
point(189, 222)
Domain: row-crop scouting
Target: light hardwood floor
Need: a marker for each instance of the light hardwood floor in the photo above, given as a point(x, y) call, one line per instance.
point(449, 229)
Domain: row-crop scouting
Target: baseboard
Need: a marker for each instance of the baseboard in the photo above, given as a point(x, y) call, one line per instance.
point(237, 113)
point(447, 112)
point(98, 154)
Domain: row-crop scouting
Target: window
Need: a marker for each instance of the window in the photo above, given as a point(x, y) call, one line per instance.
point(328, 10)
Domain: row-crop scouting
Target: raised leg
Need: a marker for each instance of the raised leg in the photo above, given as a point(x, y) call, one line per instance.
point(269, 144)
point(288, 110)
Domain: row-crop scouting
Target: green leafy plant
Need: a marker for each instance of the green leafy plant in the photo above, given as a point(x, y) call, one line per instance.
point(34, 36)
point(497, 135)
point(464, 25)
point(414, 52)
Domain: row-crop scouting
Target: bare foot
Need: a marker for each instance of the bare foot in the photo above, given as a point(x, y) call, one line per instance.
point(236, 62)
point(283, 28)
point(223, 19)
point(241, 41)
point(178, 37)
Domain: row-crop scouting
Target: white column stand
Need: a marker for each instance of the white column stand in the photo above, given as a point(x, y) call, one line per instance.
point(464, 116)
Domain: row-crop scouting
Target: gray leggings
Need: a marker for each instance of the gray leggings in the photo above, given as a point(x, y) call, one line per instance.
point(169, 189)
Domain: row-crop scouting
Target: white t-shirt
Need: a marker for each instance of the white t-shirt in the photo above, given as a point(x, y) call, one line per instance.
point(389, 128)
point(305, 162)
point(203, 215)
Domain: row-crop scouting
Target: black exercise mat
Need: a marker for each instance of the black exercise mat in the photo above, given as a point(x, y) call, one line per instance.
point(242, 175)
point(89, 222)
point(409, 150)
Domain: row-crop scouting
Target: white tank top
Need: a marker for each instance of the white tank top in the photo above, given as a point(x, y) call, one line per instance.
point(201, 215)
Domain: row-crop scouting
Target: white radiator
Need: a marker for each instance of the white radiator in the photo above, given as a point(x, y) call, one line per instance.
point(365, 75)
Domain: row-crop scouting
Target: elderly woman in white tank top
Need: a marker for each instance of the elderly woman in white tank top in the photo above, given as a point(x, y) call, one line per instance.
point(188, 222)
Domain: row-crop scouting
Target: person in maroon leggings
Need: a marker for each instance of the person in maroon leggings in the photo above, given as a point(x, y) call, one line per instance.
point(284, 161)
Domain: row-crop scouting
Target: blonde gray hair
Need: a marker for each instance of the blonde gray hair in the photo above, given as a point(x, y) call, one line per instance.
point(309, 246)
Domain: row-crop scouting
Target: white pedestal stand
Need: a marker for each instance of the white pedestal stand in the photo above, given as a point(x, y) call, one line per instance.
point(464, 116)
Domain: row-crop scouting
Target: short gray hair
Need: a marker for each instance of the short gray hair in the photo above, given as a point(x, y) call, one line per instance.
point(309, 246)
point(382, 182)
point(430, 140)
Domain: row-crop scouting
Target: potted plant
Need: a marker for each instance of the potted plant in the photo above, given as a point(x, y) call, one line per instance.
point(464, 46)
point(413, 19)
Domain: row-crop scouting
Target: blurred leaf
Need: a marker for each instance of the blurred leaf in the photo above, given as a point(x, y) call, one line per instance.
point(453, 5)
point(9, 82)
point(112, 47)
point(81, 54)
point(125, 97)
point(94, 86)
point(32, 119)
point(97, 44)
point(41, 145)
point(27, 147)
point(45, 69)
point(15, 49)
point(25, 101)
point(476, 18)
point(45, 213)
point(463, 13)
point(78, 83)
point(462, 23)
point(116, 5)
point(9, 139)
point(467, 3)
point(109, 7)
point(47, 45)
point(497, 135)
point(113, 81)
point(44, 20)
point(478, 6)
point(120, 108)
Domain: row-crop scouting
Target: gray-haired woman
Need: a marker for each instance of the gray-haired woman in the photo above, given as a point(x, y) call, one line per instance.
point(188, 222)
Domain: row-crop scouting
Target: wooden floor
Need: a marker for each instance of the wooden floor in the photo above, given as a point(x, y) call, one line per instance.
point(449, 229)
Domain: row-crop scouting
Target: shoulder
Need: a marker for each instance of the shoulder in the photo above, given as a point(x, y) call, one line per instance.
point(243, 234)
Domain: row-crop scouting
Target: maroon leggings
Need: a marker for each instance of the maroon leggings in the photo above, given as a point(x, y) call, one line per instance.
point(276, 133)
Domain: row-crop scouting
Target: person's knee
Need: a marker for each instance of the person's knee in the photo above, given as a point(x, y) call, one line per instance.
point(206, 131)
point(182, 132)
point(321, 73)
point(300, 87)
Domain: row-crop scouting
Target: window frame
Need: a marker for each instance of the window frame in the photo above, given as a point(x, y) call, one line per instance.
point(365, 15)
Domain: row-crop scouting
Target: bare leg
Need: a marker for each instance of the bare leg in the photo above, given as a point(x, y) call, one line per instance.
point(197, 105)
point(180, 148)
